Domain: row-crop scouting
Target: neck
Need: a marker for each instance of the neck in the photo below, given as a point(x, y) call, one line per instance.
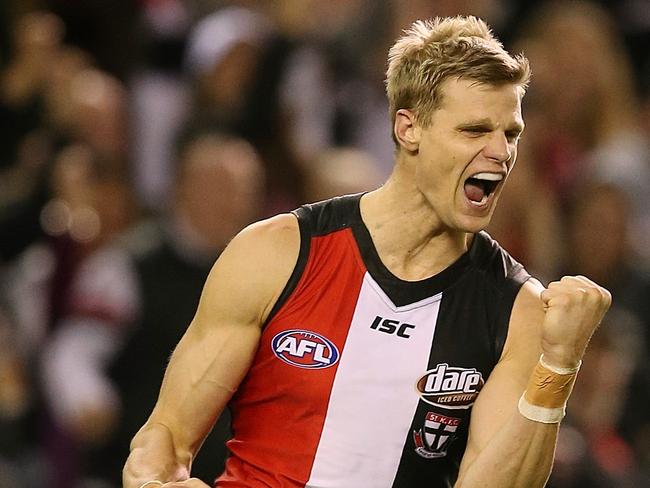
point(409, 237)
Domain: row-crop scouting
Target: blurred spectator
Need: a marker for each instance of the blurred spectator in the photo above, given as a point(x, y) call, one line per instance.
point(23, 156)
point(334, 87)
point(68, 65)
point(107, 30)
point(76, 104)
point(237, 60)
point(94, 93)
point(341, 171)
point(581, 120)
point(90, 205)
point(131, 302)
point(36, 39)
point(293, 78)
point(99, 111)
point(14, 403)
point(160, 97)
point(591, 451)
point(599, 248)
point(495, 12)
point(634, 21)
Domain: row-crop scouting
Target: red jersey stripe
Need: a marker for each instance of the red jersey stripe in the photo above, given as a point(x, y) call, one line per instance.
point(280, 408)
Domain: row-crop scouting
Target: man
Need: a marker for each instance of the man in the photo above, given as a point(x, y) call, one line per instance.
point(353, 337)
point(130, 301)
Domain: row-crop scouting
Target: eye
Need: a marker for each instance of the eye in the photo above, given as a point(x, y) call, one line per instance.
point(475, 131)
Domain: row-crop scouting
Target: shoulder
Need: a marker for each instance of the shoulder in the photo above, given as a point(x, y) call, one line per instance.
point(506, 280)
point(517, 300)
point(329, 215)
point(277, 237)
point(254, 268)
point(523, 343)
point(496, 264)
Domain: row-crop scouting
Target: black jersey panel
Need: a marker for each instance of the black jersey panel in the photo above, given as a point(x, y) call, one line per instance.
point(304, 224)
point(470, 331)
point(331, 215)
point(506, 276)
point(402, 292)
point(464, 341)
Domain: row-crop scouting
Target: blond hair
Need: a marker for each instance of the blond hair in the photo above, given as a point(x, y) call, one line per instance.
point(431, 51)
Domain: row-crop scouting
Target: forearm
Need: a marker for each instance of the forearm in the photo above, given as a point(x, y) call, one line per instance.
point(519, 455)
point(154, 456)
point(512, 437)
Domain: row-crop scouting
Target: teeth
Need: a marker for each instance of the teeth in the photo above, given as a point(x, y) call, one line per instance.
point(488, 176)
point(482, 202)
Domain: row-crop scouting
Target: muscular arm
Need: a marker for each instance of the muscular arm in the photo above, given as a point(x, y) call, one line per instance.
point(216, 351)
point(504, 447)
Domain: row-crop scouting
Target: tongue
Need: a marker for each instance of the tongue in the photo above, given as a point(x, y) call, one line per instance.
point(474, 191)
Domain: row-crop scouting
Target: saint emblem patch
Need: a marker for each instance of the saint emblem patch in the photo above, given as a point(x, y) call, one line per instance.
point(434, 438)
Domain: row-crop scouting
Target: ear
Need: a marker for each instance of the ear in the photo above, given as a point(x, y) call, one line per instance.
point(407, 130)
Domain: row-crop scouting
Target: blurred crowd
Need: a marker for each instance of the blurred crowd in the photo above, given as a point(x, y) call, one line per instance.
point(138, 136)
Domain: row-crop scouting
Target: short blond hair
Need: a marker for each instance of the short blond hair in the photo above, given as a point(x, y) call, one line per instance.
point(431, 51)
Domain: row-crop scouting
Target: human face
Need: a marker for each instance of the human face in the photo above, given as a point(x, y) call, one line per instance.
point(466, 153)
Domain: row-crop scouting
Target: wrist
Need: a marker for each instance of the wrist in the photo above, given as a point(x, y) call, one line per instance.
point(548, 391)
point(562, 357)
point(562, 369)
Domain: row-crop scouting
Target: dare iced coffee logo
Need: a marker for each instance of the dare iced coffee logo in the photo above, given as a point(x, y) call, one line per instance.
point(450, 387)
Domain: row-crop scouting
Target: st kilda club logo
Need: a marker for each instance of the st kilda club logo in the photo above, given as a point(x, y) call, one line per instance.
point(435, 436)
point(450, 387)
point(305, 349)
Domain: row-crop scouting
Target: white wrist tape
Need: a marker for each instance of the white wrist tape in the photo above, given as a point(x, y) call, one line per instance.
point(557, 369)
point(548, 390)
point(544, 415)
point(149, 483)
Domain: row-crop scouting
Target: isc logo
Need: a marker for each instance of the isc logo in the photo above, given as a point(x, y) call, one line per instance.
point(305, 349)
point(450, 387)
point(390, 326)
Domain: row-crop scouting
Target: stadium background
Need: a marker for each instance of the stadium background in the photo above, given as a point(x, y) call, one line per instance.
point(136, 137)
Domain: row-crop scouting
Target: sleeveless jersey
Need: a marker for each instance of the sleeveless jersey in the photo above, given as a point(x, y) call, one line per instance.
point(364, 380)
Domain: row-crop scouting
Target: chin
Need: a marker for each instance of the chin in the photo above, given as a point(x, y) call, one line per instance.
point(473, 224)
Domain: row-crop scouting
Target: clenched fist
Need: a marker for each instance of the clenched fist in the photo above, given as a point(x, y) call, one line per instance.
point(574, 306)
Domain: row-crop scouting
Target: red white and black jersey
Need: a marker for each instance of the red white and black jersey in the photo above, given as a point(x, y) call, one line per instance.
point(362, 379)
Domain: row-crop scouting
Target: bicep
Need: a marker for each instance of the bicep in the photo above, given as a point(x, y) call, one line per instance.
point(498, 399)
point(218, 347)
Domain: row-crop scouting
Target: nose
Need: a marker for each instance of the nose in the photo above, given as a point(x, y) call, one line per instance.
point(498, 149)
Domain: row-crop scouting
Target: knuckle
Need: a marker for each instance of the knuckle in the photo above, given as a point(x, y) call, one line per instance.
point(607, 296)
point(584, 279)
point(585, 297)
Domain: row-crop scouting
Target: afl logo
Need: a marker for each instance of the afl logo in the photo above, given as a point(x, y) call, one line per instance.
point(305, 349)
point(449, 387)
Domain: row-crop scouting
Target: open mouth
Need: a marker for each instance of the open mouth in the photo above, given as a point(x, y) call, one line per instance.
point(480, 186)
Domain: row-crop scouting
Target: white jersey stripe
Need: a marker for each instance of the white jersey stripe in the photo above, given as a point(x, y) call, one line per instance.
point(374, 397)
